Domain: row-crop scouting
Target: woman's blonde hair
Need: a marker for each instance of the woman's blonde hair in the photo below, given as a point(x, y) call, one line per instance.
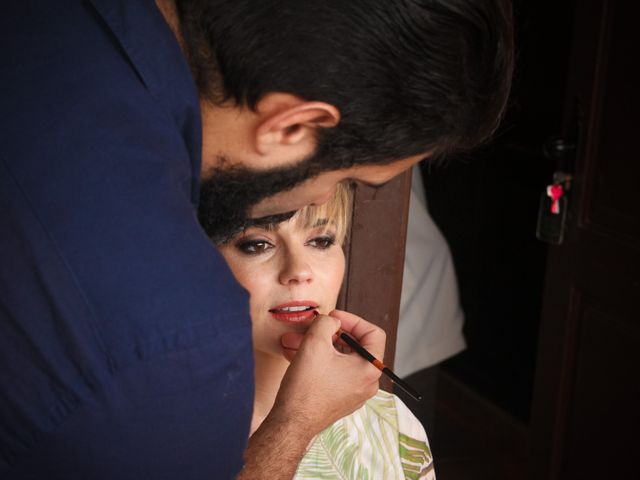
point(335, 213)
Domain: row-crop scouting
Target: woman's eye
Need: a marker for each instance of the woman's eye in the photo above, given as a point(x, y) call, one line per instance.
point(323, 242)
point(253, 247)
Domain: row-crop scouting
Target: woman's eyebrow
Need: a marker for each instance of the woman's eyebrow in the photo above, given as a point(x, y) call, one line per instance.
point(320, 222)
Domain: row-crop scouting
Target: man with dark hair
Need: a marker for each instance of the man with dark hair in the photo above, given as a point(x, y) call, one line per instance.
point(125, 346)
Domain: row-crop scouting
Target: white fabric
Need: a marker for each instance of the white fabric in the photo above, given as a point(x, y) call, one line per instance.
point(381, 440)
point(431, 318)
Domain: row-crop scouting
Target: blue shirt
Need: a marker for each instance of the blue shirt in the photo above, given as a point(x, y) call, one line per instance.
point(125, 347)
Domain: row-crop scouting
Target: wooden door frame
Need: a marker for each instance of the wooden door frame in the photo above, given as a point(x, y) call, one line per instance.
point(375, 257)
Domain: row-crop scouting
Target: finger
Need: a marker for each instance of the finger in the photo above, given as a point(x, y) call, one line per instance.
point(291, 340)
point(323, 329)
point(289, 354)
point(367, 334)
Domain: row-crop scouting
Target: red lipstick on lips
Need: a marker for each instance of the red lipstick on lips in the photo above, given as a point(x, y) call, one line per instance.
point(295, 312)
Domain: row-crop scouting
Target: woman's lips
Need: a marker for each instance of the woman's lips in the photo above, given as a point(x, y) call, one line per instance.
point(298, 311)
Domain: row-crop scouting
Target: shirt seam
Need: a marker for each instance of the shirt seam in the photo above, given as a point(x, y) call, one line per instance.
point(93, 318)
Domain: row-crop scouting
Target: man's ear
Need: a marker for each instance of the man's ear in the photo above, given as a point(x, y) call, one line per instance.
point(288, 122)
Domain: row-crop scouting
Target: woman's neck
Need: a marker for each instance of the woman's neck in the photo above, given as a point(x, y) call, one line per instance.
point(269, 371)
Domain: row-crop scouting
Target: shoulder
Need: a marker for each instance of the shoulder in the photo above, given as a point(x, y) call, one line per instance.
point(413, 444)
point(382, 439)
point(107, 280)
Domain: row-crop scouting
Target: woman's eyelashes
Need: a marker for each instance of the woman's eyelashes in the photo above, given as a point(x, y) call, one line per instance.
point(253, 246)
point(322, 242)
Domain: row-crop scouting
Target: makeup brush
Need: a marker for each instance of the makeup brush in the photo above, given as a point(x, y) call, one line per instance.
point(378, 364)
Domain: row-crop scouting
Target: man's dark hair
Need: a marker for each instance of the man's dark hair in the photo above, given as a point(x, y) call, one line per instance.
point(408, 76)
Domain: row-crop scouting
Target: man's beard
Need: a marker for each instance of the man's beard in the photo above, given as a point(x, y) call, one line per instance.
point(228, 194)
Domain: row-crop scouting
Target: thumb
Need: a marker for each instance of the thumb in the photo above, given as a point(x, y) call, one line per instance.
point(290, 343)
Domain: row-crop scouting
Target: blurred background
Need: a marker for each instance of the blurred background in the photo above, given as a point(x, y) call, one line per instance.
point(549, 385)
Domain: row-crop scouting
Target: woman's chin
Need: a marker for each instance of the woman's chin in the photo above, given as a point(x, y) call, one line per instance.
point(272, 353)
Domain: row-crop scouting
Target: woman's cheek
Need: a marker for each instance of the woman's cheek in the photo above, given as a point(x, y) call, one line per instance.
point(340, 268)
point(258, 295)
point(246, 276)
point(334, 274)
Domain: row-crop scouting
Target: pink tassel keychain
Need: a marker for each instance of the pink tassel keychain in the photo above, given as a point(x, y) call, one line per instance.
point(555, 192)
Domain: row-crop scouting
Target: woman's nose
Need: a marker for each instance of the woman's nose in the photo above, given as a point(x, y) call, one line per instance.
point(295, 270)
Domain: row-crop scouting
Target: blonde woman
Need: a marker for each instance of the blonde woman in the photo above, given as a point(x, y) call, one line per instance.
point(292, 269)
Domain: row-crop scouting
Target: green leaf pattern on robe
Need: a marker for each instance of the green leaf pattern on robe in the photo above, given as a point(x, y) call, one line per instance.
point(382, 440)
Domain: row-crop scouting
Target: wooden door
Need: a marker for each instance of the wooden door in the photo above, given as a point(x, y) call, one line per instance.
point(585, 417)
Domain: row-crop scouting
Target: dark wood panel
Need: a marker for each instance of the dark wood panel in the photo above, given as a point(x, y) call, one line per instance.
point(614, 205)
point(603, 418)
point(474, 439)
point(600, 269)
point(375, 254)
